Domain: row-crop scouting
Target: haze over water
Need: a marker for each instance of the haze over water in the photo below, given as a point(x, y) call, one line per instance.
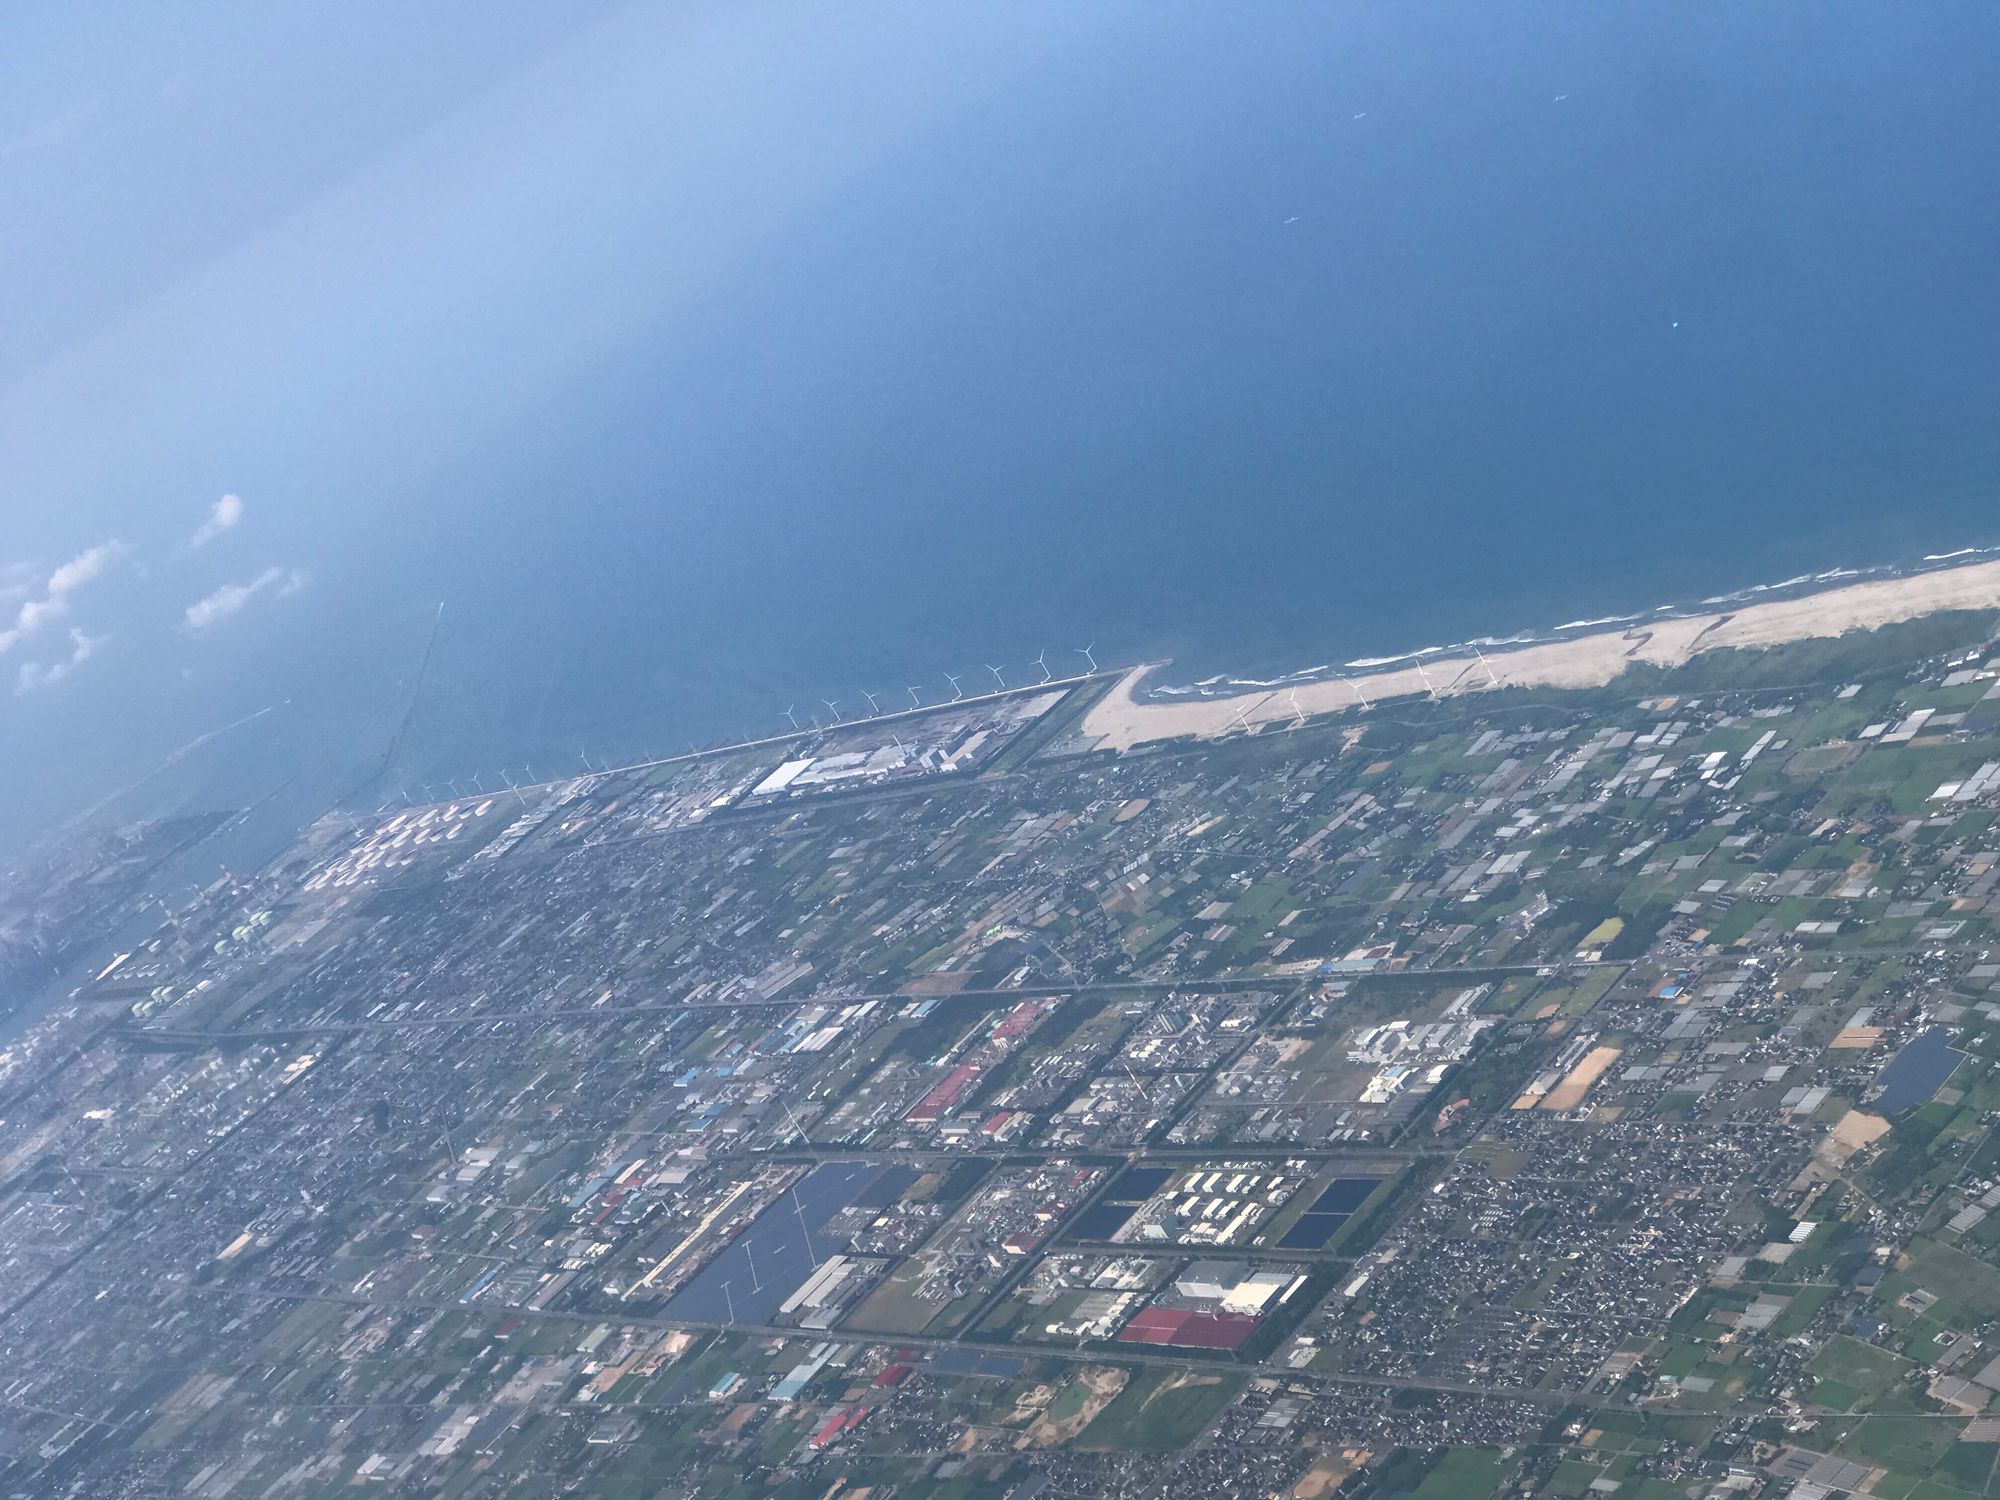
point(711, 359)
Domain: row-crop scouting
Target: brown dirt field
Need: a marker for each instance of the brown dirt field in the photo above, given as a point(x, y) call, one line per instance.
point(1576, 1083)
point(1103, 1385)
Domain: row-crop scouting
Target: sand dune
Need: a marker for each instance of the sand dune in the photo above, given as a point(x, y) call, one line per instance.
point(1122, 721)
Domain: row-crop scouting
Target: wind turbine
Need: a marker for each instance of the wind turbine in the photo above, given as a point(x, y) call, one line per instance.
point(1042, 661)
point(800, 1131)
point(1359, 696)
point(1085, 652)
point(1298, 722)
point(1242, 720)
point(800, 1213)
point(996, 676)
point(793, 717)
point(915, 701)
point(1491, 680)
point(955, 693)
point(873, 706)
point(1429, 686)
point(834, 709)
point(478, 785)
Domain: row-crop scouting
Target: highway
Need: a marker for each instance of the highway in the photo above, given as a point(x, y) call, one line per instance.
point(1273, 982)
point(1080, 1353)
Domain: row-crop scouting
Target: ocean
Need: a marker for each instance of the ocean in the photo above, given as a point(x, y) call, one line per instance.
point(1211, 344)
point(1257, 340)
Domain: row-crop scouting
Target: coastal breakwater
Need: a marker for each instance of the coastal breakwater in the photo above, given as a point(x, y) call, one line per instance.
point(1579, 656)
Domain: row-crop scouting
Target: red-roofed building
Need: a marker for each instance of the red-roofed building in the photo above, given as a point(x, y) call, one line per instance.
point(1186, 1329)
point(955, 1085)
point(1019, 1021)
point(839, 1422)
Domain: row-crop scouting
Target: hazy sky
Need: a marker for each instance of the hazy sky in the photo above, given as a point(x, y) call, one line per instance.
point(266, 272)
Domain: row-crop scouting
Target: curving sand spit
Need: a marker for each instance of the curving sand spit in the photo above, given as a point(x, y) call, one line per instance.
point(1121, 721)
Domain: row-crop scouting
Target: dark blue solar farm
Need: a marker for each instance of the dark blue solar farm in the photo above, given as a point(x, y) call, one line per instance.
point(1335, 1205)
point(1110, 1214)
point(1918, 1071)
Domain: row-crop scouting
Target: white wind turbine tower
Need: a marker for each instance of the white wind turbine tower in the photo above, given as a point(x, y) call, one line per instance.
point(1085, 652)
point(834, 709)
point(1042, 661)
point(1429, 686)
point(996, 676)
point(955, 693)
point(915, 701)
point(1299, 719)
point(874, 708)
point(1491, 680)
point(793, 717)
point(800, 1214)
point(1359, 696)
point(798, 1129)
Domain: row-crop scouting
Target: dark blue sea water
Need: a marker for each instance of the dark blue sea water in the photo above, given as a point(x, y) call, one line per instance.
point(1257, 337)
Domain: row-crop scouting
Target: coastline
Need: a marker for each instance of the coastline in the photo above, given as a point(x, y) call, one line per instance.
point(1578, 655)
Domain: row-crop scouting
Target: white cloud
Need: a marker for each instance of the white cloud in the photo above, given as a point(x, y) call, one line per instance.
point(52, 603)
point(222, 516)
point(38, 675)
point(231, 598)
point(35, 613)
point(80, 569)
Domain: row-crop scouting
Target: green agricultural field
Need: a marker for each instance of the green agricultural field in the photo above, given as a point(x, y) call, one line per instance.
point(1465, 1474)
point(1848, 1374)
point(1162, 1410)
point(1958, 1277)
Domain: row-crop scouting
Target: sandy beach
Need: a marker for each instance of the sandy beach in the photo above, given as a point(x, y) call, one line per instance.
point(1122, 720)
